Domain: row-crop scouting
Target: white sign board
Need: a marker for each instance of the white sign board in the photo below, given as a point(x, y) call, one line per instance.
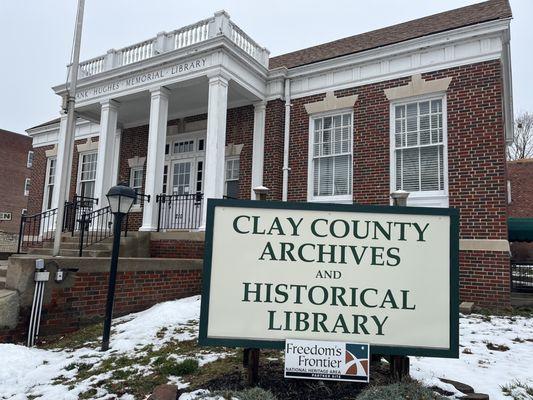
point(380, 275)
point(334, 361)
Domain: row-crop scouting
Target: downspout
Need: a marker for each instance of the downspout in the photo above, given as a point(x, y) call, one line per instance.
point(286, 168)
point(507, 88)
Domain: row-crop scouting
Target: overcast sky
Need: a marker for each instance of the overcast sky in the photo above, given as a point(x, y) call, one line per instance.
point(37, 37)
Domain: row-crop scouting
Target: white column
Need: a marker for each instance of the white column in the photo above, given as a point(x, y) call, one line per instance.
point(217, 105)
point(61, 175)
point(106, 151)
point(258, 151)
point(155, 160)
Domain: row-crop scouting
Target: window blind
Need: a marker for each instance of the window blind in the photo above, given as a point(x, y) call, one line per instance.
point(419, 146)
point(332, 155)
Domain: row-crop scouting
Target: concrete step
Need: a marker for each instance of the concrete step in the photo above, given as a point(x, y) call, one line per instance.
point(75, 245)
point(70, 252)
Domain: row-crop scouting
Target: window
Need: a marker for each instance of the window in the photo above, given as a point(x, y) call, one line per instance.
point(167, 149)
point(49, 183)
point(331, 157)
point(87, 174)
point(184, 147)
point(201, 144)
point(165, 178)
point(29, 162)
point(136, 180)
point(199, 176)
point(27, 183)
point(232, 178)
point(419, 147)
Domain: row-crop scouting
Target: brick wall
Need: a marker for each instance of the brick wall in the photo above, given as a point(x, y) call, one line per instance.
point(81, 299)
point(476, 146)
point(38, 175)
point(240, 130)
point(484, 278)
point(14, 150)
point(177, 249)
point(274, 138)
point(520, 174)
point(476, 163)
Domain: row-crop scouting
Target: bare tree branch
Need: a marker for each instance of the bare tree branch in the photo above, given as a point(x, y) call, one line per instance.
point(522, 146)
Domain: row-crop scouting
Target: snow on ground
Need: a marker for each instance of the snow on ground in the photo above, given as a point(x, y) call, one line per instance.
point(42, 373)
point(31, 371)
point(484, 362)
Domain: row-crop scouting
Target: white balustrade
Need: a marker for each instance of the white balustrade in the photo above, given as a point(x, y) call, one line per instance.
point(137, 52)
point(190, 35)
point(93, 66)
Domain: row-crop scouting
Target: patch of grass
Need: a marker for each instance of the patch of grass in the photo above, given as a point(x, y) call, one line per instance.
point(518, 390)
point(89, 394)
point(167, 366)
point(76, 340)
point(255, 393)
point(405, 390)
point(507, 312)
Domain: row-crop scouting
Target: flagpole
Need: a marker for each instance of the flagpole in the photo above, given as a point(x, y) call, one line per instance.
point(71, 125)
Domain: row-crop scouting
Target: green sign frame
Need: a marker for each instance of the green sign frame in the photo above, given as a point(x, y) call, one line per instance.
point(451, 352)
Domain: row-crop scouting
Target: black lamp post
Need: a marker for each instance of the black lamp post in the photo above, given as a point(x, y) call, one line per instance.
point(121, 198)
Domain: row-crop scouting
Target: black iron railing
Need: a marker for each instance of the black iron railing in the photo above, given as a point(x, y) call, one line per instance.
point(179, 211)
point(95, 226)
point(522, 276)
point(74, 210)
point(36, 229)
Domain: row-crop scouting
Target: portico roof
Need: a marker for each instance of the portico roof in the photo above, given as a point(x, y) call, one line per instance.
point(475, 14)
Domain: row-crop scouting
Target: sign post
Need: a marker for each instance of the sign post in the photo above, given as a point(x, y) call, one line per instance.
point(385, 276)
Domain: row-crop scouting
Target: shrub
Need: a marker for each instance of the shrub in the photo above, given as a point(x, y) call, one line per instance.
point(408, 390)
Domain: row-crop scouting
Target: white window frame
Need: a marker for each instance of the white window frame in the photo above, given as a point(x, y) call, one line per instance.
point(80, 161)
point(344, 199)
point(133, 170)
point(47, 184)
point(226, 180)
point(433, 198)
point(27, 183)
point(29, 161)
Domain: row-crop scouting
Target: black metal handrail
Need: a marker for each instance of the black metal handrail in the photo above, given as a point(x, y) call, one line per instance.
point(95, 226)
point(179, 211)
point(73, 211)
point(36, 229)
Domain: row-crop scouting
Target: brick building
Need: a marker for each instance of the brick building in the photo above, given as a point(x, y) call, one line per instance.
point(17, 158)
point(205, 112)
point(520, 175)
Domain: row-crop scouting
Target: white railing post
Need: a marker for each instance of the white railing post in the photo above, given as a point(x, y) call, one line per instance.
point(160, 45)
point(220, 25)
point(265, 56)
point(109, 62)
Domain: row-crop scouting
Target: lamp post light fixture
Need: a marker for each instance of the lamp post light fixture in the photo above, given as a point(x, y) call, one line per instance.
point(120, 198)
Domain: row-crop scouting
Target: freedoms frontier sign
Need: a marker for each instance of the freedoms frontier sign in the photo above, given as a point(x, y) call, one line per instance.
point(387, 276)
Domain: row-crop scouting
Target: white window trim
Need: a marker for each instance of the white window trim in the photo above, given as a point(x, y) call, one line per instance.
point(343, 199)
point(27, 184)
point(29, 163)
point(136, 206)
point(80, 159)
point(226, 159)
point(46, 185)
point(436, 198)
